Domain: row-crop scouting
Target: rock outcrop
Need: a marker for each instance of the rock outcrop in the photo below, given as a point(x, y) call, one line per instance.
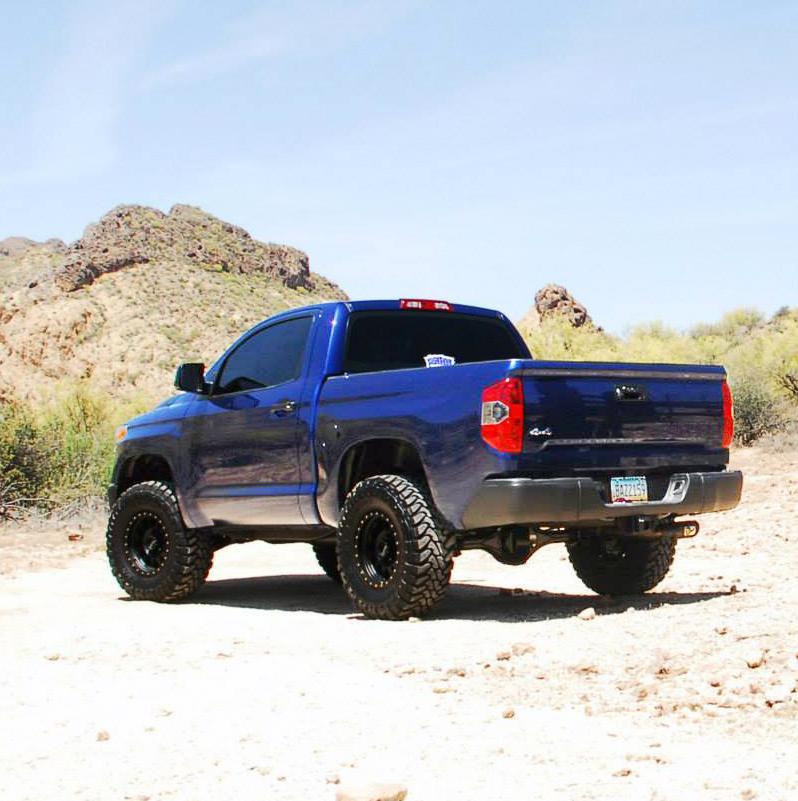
point(556, 302)
point(132, 235)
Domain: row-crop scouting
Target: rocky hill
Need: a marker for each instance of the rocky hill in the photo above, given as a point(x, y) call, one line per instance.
point(138, 293)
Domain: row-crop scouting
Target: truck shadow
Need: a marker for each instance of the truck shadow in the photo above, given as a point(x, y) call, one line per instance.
point(463, 601)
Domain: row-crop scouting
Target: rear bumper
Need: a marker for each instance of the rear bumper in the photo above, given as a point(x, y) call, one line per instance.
point(519, 501)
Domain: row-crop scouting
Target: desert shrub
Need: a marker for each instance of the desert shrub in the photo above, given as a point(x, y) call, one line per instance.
point(23, 471)
point(60, 452)
point(758, 410)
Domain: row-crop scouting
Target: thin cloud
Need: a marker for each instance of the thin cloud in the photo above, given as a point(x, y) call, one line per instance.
point(304, 27)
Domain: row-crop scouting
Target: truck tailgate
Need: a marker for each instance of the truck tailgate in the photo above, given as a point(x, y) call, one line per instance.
point(581, 409)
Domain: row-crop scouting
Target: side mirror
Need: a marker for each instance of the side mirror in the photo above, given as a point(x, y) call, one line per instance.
point(190, 377)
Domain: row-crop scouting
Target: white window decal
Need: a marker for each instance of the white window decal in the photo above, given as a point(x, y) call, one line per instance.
point(438, 360)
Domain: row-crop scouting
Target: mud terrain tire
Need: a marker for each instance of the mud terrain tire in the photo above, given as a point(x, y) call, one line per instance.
point(153, 556)
point(327, 559)
point(394, 557)
point(621, 566)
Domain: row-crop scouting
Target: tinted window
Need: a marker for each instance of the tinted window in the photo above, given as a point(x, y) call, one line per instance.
point(395, 340)
point(269, 357)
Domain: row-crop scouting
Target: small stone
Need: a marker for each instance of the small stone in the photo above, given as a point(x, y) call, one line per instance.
point(755, 658)
point(721, 630)
point(733, 589)
point(521, 648)
point(747, 794)
point(779, 694)
point(372, 792)
point(52, 657)
point(587, 614)
point(503, 656)
point(623, 772)
point(414, 620)
point(508, 713)
point(456, 671)
point(102, 736)
point(332, 778)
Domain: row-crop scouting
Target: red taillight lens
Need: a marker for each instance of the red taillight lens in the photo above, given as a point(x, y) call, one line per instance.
point(728, 417)
point(503, 415)
point(425, 305)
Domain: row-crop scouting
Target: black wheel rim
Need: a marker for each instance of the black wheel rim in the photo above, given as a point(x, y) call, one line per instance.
point(377, 549)
point(146, 543)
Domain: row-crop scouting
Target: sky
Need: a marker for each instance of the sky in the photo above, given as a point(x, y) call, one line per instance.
point(643, 154)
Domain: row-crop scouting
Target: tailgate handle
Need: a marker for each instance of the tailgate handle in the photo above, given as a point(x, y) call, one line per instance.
point(627, 392)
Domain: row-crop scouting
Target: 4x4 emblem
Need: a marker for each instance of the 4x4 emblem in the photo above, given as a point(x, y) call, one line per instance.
point(540, 432)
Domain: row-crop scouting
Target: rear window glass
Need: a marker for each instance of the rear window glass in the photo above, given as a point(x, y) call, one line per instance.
point(397, 340)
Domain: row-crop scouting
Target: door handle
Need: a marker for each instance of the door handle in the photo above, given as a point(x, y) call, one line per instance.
point(283, 408)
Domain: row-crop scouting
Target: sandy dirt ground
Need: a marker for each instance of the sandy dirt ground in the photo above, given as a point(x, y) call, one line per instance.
point(267, 686)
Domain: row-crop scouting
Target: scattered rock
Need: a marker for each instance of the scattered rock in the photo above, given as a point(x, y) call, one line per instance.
point(522, 648)
point(332, 778)
point(779, 693)
point(102, 736)
point(721, 630)
point(372, 792)
point(75, 537)
point(503, 656)
point(508, 713)
point(755, 658)
point(587, 614)
point(623, 772)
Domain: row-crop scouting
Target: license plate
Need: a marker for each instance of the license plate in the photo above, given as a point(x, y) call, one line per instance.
point(628, 489)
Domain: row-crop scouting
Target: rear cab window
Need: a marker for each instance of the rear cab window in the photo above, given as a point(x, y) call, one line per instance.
point(401, 339)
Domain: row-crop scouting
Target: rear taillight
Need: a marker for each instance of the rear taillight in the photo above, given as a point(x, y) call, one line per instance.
point(728, 417)
point(503, 415)
point(425, 305)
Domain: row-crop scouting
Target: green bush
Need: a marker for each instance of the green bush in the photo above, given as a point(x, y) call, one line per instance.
point(59, 453)
point(758, 410)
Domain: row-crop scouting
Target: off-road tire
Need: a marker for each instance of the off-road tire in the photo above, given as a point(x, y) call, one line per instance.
point(622, 566)
point(424, 550)
point(179, 566)
point(328, 559)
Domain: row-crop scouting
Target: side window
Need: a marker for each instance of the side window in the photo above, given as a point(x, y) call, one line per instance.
point(272, 356)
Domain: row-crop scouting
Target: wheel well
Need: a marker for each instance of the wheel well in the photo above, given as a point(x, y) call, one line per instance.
point(375, 457)
point(143, 468)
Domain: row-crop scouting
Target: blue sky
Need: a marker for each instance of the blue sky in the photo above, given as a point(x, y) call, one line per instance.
point(644, 154)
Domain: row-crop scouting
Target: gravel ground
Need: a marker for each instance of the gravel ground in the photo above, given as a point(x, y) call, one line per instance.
point(267, 686)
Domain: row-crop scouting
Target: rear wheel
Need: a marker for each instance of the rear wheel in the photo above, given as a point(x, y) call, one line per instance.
point(621, 565)
point(328, 559)
point(394, 557)
point(153, 556)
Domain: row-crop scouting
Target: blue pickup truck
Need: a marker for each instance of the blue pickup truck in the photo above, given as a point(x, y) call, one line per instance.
point(392, 435)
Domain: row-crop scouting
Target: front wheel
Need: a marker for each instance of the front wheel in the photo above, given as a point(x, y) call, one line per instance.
point(394, 558)
point(621, 565)
point(153, 556)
